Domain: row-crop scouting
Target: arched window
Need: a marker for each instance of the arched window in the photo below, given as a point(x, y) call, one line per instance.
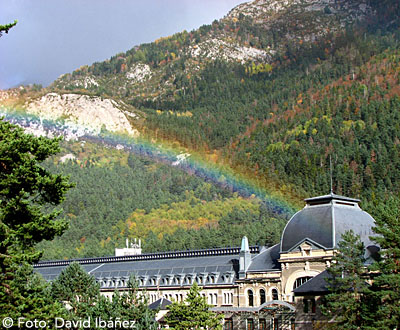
point(301, 281)
point(262, 296)
point(274, 294)
point(250, 297)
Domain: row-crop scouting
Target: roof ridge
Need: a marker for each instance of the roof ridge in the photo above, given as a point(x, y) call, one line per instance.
point(150, 256)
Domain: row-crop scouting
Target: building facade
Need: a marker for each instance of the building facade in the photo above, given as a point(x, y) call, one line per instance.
point(254, 287)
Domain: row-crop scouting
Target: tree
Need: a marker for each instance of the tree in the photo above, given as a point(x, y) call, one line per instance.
point(27, 191)
point(129, 305)
point(7, 27)
point(82, 293)
point(348, 297)
point(27, 194)
point(193, 313)
point(31, 298)
point(77, 288)
point(386, 286)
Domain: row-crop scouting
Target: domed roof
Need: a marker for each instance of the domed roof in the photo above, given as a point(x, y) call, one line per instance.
point(323, 221)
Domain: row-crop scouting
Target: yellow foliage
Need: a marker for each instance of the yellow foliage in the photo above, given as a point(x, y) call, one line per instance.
point(184, 114)
point(161, 39)
point(193, 213)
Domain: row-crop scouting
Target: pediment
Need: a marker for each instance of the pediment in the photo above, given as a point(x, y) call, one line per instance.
point(307, 244)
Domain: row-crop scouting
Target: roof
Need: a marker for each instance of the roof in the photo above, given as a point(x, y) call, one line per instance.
point(316, 286)
point(266, 260)
point(324, 220)
point(181, 268)
point(160, 304)
point(329, 197)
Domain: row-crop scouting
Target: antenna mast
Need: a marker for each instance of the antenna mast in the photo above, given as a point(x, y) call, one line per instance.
point(330, 165)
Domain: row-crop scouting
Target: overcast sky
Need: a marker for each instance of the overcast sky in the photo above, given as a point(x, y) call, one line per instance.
point(53, 37)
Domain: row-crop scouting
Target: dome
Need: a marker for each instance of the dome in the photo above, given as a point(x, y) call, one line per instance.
point(323, 221)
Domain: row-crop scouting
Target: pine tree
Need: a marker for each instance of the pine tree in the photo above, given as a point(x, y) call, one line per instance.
point(81, 292)
point(386, 286)
point(348, 288)
point(28, 192)
point(77, 288)
point(31, 298)
point(132, 305)
point(193, 313)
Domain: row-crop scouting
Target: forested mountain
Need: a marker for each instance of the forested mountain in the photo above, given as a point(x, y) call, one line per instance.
point(273, 90)
point(119, 194)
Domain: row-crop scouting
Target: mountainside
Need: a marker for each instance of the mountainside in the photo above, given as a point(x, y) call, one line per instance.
point(258, 31)
point(272, 91)
point(119, 195)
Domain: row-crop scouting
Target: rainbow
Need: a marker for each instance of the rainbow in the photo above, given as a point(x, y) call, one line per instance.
point(190, 162)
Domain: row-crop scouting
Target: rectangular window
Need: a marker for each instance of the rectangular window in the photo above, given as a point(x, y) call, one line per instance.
point(262, 324)
point(250, 324)
point(228, 324)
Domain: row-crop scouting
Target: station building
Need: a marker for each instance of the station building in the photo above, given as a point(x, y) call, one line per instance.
point(255, 287)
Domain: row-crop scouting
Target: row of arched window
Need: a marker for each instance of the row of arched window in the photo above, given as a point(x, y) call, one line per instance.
point(262, 296)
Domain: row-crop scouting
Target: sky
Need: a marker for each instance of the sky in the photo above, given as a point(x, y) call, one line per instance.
point(54, 37)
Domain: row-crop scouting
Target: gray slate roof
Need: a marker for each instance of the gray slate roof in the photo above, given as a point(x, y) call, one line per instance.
point(160, 304)
point(324, 219)
point(182, 268)
point(266, 260)
point(315, 286)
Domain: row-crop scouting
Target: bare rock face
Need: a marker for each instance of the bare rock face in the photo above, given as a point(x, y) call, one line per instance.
point(90, 112)
point(139, 72)
point(268, 9)
point(220, 49)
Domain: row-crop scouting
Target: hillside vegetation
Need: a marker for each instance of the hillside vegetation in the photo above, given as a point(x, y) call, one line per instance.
point(274, 90)
point(119, 195)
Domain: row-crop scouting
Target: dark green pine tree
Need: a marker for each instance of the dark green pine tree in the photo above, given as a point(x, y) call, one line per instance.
point(28, 193)
point(79, 289)
point(386, 286)
point(193, 313)
point(31, 298)
point(130, 305)
point(346, 302)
